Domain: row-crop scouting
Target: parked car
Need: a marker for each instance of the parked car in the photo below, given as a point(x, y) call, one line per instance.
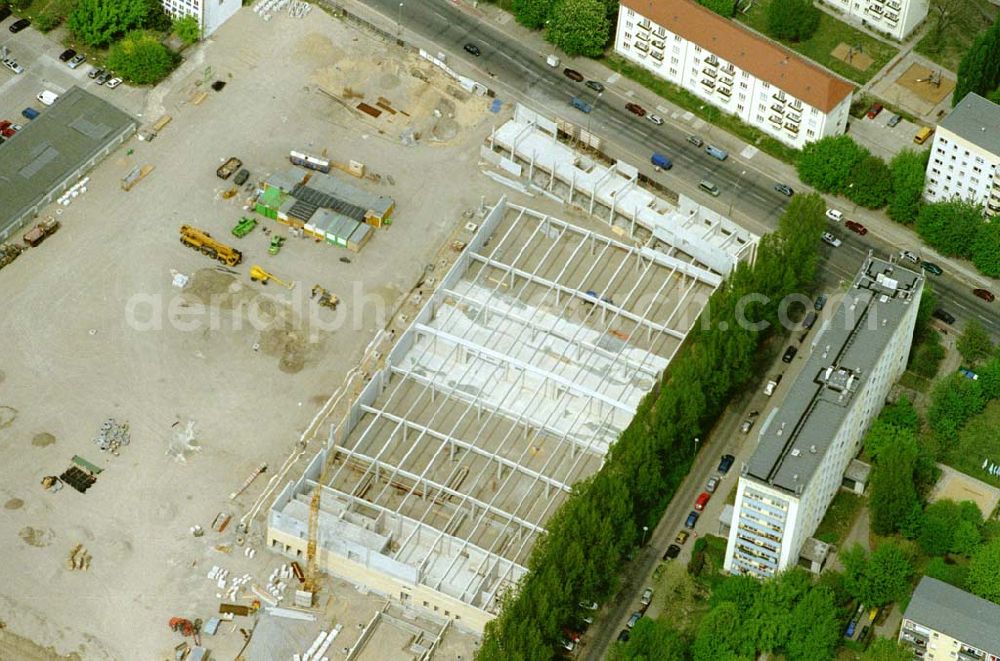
point(594, 85)
point(810, 319)
point(984, 294)
point(943, 315)
point(856, 227)
point(647, 598)
point(695, 140)
point(967, 373)
point(672, 552)
point(472, 49)
point(712, 485)
point(656, 119)
point(19, 25)
point(47, 97)
point(567, 644)
point(76, 61)
point(29, 113)
point(874, 110)
point(5, 11)
point(635, 109)
point(94, 72)
point(834, 215)
point(692, 520)
point(682, 536)
point(636, 616)
point(573, 75)
point(931, 267)
point(590, 606)
point(114, 82)
point(241, 177)
point(12, 65)
point(7, 129)
point(784, 189)
point(575, 636)
point(769, 388)
point(701, 501)
point(103, 78)
point(623, 636)
point(895, 120)
point(819, 303)
point(909, 256)
point(789, 354)
point(67, 55)
point(726, 463)
point(830, 239)
point(746, 425)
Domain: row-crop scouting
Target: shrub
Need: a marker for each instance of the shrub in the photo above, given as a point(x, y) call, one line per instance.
point(141, 59)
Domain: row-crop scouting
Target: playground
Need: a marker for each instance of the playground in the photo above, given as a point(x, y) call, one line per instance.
point(918, 87)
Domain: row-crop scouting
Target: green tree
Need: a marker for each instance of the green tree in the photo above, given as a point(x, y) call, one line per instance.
point(827, 163)
point(870, 182)
point(945, 569)
point(937, 529)
point(908, 169)
point(719, 636)
point(156, 18)
point(953, 401)
point(141, 59)
point(187, 29)
point(950, 227)
point(886, 649)
point(986, 249)
point(880, 578)
point(722, 7)
point(901, 413)
point(974, 343)
point(532, 13)
point(893, 493)
point(979, 70)
point(813, 626)
point(650, 640)
point(966, 538)
point(792, 20)
point(983, 578)
point(579, 27)
point(46, 21)
point(100, 22)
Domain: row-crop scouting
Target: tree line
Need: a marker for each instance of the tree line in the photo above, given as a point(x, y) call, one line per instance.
point(591, 535)
point(979, 70)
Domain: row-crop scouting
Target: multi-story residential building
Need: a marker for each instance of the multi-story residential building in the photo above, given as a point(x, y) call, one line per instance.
point(210, 13)
point(896, 18)
point(805, 445)
point(743, 73)
point(943, 622)
point(965, 155)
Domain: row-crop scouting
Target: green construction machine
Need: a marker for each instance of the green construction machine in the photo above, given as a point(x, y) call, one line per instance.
point(276, 243)
point(244, 227)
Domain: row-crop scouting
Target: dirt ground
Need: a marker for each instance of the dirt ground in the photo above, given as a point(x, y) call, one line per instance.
point(898, 86)
point(93, 328)
point(916, 80)
point(958, 487)
point(860, 61)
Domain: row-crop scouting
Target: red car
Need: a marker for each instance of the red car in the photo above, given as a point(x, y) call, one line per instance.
point(858, 228)
point(7, 129)
point(984, 294)
point(635, 109)
point(874, 111)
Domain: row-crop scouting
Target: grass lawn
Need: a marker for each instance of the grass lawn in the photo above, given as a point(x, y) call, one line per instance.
point(976, 441)
point(702, 108)
point(914, 382)
point(839, 518)
point(829, 34)
point(948, 48)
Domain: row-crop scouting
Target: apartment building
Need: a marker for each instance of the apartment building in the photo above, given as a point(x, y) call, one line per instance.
point(965, 155)
point(807, 442)
point(895, 18)
point(745, 74)
point(210, 13)
point(943, 622)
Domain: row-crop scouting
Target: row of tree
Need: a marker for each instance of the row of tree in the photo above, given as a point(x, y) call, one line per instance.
point(979, 70)
point(590, 536)
point(959, 229)
point(576, 27)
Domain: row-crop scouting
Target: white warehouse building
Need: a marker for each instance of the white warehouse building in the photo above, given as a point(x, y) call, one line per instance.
point(211, 14)
point(806, 443)
point(764, 84)
point(965, 155)
point(896, 18)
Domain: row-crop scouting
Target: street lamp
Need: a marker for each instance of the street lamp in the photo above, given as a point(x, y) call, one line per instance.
point(696, 445)
point(736, 191)
point(399, 21)
point(645, 529)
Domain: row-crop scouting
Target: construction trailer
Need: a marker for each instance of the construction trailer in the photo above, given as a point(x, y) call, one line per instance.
point(338, 230)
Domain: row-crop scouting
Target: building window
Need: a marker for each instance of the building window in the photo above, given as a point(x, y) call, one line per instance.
point(744, 85)
point(810, 133)
point(766, 86)
point(739, 106)
point(697, 49)
point(746, 74)
point(673, 72)
point(674, 60)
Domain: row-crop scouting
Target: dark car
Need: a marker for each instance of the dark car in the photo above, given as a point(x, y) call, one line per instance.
point(931, 267)
point(695, 140)
point(895, 120)
point(623, 636)
point(17, 26)
point(241, 177)
point(726, 463)
point(984, 294)
point(4, 12)
point(691, 520)
point(784, 190)
point(856, 227)
point(789, 354)
point(820, 303)
point(943, 315)
point(67, 55)
point(635, 109)
point(103, 78)
point(472, 49)
point(573, 74)
point(874, 110)
point(672, 552)
point(95, 72)
point(594, 85)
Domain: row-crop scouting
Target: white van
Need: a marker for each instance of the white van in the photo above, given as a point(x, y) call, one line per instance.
point(47, 97)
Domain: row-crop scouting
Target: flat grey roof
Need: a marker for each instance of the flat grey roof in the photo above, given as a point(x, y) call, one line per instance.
point(50, 148)
point(847, 345)
point(957, 613)
point(976, 120)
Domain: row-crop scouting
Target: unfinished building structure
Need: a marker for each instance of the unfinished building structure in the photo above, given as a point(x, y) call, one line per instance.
point(523, 367)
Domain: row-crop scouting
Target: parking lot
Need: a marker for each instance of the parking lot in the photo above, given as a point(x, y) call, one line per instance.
point(883, 140)
point(94, 328)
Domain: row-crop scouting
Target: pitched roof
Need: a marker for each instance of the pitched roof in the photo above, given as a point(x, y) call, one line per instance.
point(957, 613)
point(747, 50)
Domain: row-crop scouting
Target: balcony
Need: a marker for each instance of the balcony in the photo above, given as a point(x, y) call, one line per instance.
point(969, 654)
point(640, 46)
point(725, 91)
point(644, 24)
point(775, 119)
point(894, 5)
point(792, 128)
point(796, 105)
point(658, 43)
point(642, 36)
point(780, 109)
point(712, 61)
point(709, 72)
point(726, 80)
point(656, 55)
point(892, 18)
point(709, 83)
point(660, 32)
point(729, 70)
point(779, 96)
point(794, 118)
point(993, 206)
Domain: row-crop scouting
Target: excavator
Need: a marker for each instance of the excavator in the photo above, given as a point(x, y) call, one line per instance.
point(258, 274)
point(186, 628)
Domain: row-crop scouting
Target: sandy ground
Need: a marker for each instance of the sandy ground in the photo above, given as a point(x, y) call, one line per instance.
point(93, 329)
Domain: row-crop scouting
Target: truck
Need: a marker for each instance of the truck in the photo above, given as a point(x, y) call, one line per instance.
point(37, 234)
point(203, 242)
point(581, 105)
point(244, 227)
point(227, 169)
point(661, 161)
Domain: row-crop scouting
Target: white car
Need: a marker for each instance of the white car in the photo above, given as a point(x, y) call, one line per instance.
point(834, 215)
point(769, 388)
point(12, 65)
point(656, 119)
point(909, 256)
point(47, 97)
point(114, 82)
point(831, 240)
